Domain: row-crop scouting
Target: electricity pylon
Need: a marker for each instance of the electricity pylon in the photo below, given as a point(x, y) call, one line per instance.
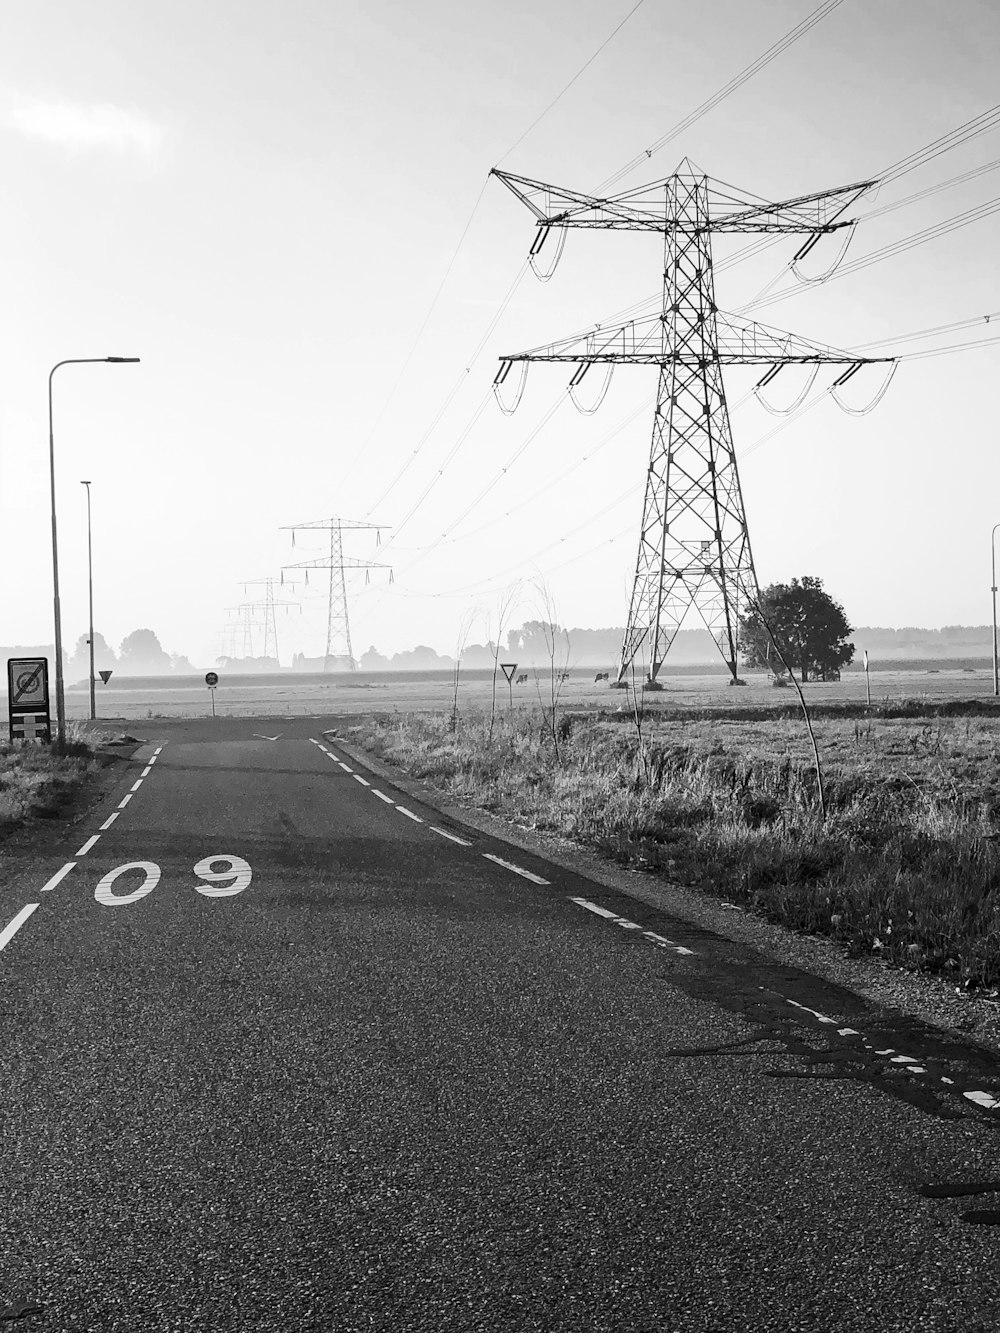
point(248, 620)
point(694, 547)
point(338, 627)
point(268, 607)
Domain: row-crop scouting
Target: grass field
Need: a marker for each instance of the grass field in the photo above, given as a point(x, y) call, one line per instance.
point(363, 692)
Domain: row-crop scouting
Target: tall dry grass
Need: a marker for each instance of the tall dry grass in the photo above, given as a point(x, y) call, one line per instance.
point(906, 862)
point(36, 782)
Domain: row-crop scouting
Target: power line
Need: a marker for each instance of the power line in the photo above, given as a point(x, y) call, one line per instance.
point(560, 95)
point(727, 90)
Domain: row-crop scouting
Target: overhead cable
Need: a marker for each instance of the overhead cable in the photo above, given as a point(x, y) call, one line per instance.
point(737, 81)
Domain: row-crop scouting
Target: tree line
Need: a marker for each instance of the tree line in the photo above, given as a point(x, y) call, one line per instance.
point(139, 654)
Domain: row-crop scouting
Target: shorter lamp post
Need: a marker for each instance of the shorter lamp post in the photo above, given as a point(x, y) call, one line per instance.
point(90, 599)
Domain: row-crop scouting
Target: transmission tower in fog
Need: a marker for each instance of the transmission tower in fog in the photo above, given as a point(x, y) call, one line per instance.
point(338, 627)
point(267, 608)
point(694, 547)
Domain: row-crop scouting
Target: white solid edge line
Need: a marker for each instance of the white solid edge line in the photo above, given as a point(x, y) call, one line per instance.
point(136, 785)
point(364, 781)
point(518, 870)
point(382, 796)
point(409, 814)
point(59, 876)
point(453, 837)
point(12, 927)
point(94, 838)
point(124, 801)
point(108, 822)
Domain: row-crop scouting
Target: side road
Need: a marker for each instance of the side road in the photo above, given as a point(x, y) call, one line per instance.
point(931, 999)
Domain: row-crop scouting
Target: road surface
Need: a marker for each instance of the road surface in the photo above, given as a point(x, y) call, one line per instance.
point(284, 1048)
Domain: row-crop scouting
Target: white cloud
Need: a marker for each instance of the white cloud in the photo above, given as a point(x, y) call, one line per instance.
point(86, 127)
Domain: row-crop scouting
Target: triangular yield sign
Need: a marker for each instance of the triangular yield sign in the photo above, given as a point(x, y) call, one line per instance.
point(105, 676)
point(508, 669)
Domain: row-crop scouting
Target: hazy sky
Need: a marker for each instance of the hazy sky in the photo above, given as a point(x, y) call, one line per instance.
point(261, 199)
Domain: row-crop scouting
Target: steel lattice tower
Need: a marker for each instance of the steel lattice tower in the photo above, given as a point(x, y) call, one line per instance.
point(267, 606)
point(694, 546)
point(338, 628)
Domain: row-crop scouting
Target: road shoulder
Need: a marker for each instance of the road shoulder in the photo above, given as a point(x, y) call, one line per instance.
point(932, 999)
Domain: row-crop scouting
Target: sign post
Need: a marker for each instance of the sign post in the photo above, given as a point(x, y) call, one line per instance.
point(28, 699)
point(211, 680)
point(868, 684)
point(508, 669)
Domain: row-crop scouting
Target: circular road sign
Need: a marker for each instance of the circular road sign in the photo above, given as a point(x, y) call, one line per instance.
point(211, 678)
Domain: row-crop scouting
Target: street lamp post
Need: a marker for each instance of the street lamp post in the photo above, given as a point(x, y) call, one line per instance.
point(57, 617)
point(993, 581)
point(90, 600)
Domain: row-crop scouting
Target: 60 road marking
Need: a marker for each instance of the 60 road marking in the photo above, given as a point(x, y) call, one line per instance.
point(218, 883)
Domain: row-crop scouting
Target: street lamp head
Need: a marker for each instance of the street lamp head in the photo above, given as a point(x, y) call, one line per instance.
point(84, 483)
point(123, 360)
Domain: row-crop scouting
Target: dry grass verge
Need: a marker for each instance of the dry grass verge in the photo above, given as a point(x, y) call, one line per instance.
point(35, 782)
point(906, 863)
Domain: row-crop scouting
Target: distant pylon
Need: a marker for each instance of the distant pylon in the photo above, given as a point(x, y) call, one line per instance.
point(694, 546)
point(268, 606)
point(338, 627)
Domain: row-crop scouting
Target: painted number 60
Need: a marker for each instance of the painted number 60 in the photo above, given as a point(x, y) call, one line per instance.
point(221, 883)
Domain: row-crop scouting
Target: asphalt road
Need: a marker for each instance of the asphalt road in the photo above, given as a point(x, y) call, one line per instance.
point(286, 1049)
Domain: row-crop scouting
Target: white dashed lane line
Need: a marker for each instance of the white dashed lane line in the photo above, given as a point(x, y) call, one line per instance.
point(146, 771)
point(660, 941)
point(382, 796)
point(12, 927)
point(912, 1065)
point(58, 877)
point(518, 870)
point(364, 781)
point(409, 814)
point(452, 837)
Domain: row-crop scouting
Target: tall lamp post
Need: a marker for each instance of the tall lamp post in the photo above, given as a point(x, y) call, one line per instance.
point(90, 600)
point(993, 581)
point(57, 617)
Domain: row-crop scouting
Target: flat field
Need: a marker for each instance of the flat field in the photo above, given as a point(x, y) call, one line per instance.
point(365, 692)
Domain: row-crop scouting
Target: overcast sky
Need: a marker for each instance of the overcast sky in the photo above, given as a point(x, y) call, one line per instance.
point(261, 200)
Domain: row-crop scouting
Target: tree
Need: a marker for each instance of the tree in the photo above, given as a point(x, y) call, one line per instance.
point(372, 660)
point(809, 627)
point(104, 655)
point(141, 654)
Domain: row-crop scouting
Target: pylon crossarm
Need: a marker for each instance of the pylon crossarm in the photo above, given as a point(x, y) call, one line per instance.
point(817, 213)
point(553, 206)
point(348, 562)
point(642, 342)
point(642, 208)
